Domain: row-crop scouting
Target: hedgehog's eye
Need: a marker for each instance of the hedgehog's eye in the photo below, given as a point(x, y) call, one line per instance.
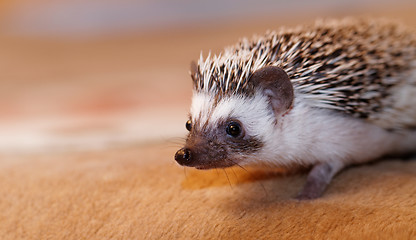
point(188, 125)
point(233, 129)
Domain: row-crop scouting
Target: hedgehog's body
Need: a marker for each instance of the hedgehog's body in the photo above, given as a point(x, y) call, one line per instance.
point(328, 96)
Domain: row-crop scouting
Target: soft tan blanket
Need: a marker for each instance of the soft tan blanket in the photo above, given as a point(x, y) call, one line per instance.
point(140, 193)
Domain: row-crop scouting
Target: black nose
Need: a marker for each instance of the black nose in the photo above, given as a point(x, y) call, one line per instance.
point(183, 156)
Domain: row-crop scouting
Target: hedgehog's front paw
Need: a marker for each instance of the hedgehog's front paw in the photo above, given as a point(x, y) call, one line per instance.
point(318, 180)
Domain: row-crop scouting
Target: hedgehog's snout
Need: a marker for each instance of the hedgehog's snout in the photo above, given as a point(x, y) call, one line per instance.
point(184, 157)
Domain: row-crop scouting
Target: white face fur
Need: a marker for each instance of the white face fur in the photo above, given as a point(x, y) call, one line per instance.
point(254, 114)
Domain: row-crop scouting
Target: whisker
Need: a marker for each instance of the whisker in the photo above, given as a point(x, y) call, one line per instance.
point(235, 175)
point(176, 140)
point(227, 178)
point(184, 171)
point(177, 146)
point(251, 175)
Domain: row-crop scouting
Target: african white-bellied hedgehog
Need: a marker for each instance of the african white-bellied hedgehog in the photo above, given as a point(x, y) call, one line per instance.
point(328, 95)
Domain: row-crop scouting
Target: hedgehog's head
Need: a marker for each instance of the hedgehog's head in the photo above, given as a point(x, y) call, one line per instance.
point(228, 128)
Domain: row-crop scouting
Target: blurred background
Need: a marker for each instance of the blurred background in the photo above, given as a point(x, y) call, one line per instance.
point(88, 74)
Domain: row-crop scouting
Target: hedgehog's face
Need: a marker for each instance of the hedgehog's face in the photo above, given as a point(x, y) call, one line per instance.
point(226, 133)
point(232, 129)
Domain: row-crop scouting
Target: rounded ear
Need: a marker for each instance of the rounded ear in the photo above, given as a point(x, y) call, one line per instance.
point(276, 85)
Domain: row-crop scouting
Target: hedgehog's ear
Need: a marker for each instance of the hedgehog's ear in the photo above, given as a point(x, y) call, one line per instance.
point(194, 72)
point(276, 85)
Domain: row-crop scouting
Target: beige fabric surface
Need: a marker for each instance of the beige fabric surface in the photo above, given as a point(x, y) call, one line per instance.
point(140, 193)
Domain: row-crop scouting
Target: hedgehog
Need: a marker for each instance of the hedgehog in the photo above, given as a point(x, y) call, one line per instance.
point(322, 96)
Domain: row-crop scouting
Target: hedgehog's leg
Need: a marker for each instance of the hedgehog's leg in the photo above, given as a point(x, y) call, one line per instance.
point(318, 179)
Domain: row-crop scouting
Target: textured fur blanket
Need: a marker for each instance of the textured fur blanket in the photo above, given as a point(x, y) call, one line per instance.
point(133, 193)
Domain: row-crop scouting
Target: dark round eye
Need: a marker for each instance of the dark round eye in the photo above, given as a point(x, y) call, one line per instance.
point(188, 125)
point(233, 129)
